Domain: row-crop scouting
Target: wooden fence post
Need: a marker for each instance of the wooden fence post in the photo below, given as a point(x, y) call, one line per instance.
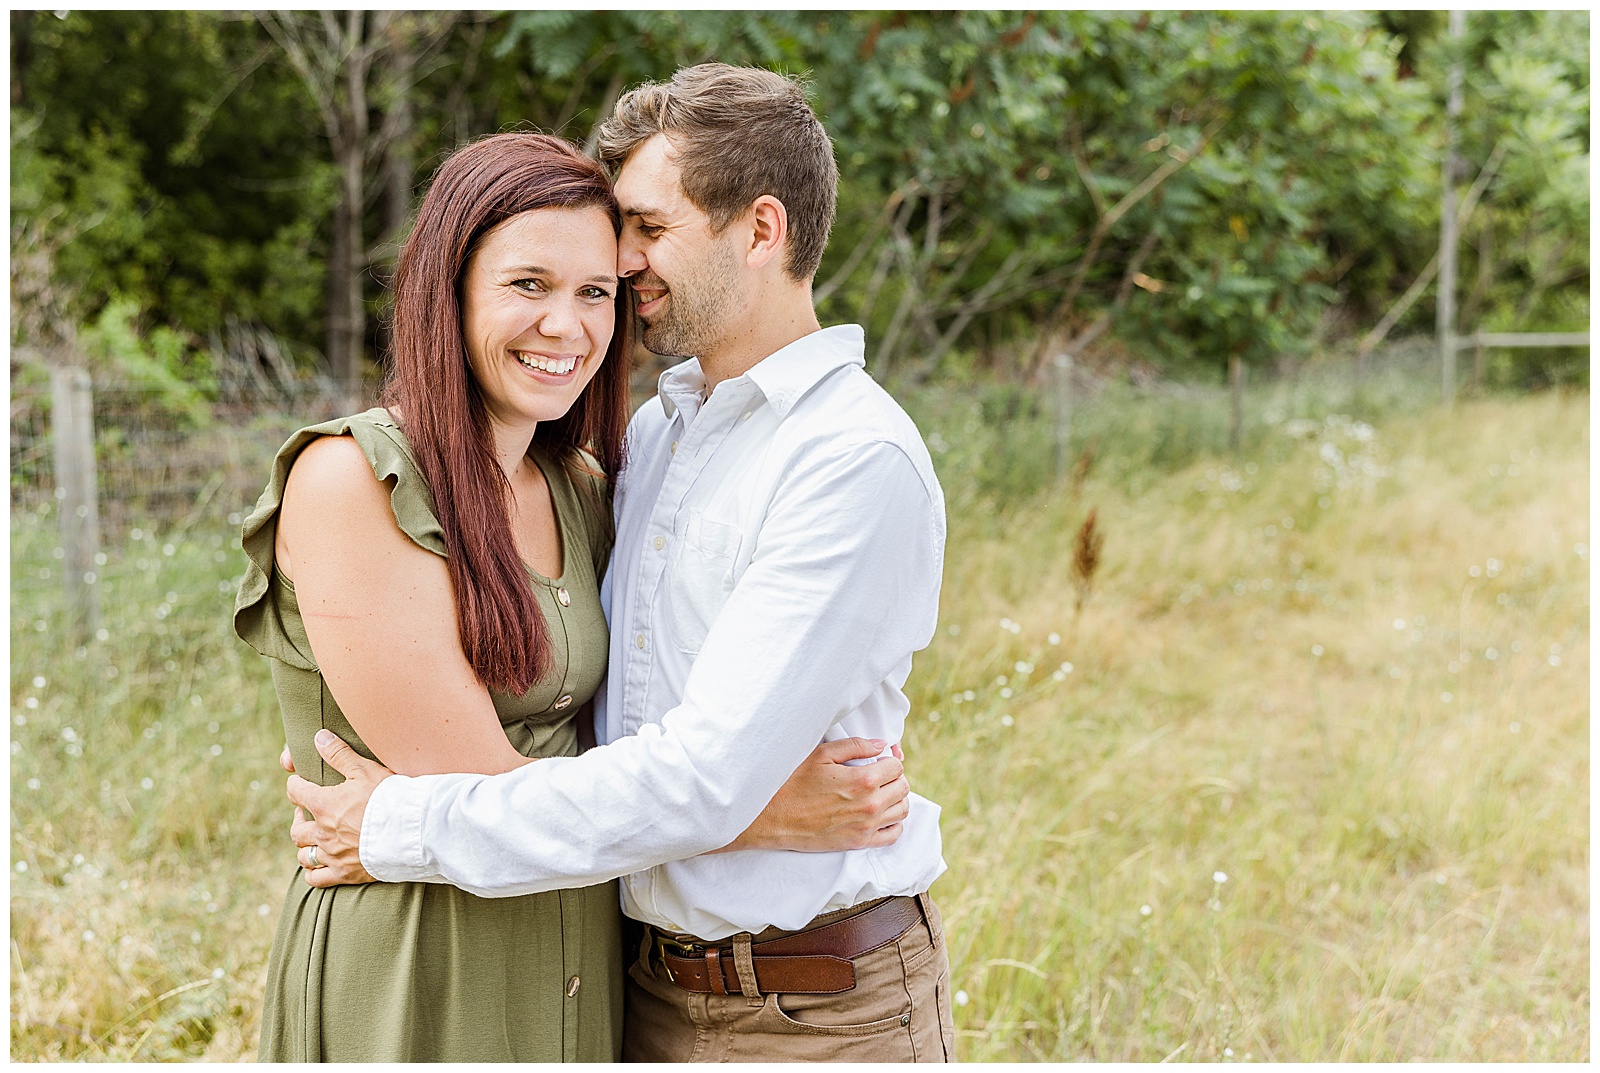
point(1236, 402)
point(1063, 432)
point(72, 433)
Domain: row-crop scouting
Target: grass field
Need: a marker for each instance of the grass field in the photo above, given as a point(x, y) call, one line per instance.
point(1306, 777)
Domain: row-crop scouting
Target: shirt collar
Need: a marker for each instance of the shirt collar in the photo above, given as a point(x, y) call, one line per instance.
point(783, 377)
point(786, 376)
point(682, 386)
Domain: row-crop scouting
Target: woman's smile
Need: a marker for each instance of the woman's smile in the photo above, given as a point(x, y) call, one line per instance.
point(551, 368)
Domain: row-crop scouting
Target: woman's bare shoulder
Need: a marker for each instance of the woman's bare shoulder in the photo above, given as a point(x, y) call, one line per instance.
point(333, 466)
point(332, 486)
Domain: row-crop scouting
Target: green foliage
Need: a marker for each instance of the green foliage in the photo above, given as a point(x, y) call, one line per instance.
point(1525, 252)
point(160, 362)
point(1310, 164)
point(1277, 166)
point(174, 165)
point(1034, 128)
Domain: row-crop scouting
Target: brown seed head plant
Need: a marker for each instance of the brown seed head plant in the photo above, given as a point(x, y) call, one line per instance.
point(1086, 557)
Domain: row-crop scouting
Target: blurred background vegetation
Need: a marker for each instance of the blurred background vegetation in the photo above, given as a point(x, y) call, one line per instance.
point(1260, 739)
point(1179, 188)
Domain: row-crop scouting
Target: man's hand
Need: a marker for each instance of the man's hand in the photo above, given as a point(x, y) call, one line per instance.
point(829, 805)
point(336, 812)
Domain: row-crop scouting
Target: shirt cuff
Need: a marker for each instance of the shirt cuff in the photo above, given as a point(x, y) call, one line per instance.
point(391, 830)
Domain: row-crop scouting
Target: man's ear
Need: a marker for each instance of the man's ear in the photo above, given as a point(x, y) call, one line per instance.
point(769, 231)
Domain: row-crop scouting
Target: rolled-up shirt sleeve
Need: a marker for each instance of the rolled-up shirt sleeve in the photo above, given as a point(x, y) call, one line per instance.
point(841, 588)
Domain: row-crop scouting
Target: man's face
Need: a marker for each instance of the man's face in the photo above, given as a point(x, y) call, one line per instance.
point(689, 285)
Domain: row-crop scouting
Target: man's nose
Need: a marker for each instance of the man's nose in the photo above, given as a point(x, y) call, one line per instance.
point(630, 256)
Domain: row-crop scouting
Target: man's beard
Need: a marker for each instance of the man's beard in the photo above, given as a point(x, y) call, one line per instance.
point(698, 308)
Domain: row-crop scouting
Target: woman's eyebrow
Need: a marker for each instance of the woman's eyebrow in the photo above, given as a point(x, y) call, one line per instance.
point(536, 270)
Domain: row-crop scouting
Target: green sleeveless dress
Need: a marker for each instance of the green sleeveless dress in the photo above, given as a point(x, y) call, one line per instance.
point(408, 972)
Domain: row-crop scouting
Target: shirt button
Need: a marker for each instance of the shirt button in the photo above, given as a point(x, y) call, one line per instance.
point(660, 543)
point(674, 446)
point(565, 700)
point(565, 597)
point(639, 640)
point(746, 416)
point(572, 986)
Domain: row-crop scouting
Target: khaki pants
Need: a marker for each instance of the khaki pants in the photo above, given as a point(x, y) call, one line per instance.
point(899, 1010)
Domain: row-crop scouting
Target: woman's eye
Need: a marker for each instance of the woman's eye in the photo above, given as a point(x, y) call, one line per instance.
point(527, 285)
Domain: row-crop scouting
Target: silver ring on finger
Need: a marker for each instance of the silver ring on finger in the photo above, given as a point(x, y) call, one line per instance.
point(313, 857)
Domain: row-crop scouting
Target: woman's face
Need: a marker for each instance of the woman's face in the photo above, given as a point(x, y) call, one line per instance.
point(537, 310)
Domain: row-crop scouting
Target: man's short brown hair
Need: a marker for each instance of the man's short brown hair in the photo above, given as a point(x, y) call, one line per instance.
point(737, 133)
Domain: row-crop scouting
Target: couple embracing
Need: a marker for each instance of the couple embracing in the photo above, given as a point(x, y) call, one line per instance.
point(739, 871)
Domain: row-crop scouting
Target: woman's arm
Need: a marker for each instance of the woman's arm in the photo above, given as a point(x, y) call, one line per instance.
point(381, 619)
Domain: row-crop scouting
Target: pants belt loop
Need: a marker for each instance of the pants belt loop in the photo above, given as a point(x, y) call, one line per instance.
point(719, 986)
point(927, 917)
point(646, 946)
point(744, 965)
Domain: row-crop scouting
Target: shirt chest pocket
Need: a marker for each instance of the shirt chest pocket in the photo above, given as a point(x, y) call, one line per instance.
point(699, 578)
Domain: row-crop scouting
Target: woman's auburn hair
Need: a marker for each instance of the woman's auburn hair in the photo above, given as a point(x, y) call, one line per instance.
point(441, 407)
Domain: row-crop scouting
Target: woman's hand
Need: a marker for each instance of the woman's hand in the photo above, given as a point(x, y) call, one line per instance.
point(830, 805)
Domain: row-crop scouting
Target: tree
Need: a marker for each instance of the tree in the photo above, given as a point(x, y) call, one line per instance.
point(165, 165)
point(1207, 190)
point(359, 69)
point(1525, 254)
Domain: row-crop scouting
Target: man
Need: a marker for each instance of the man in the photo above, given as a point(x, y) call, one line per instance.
point(780, 536)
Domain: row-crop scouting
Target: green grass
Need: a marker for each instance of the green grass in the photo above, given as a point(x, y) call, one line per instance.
point(1282, 677)
point(1257, 690)
point(146, 816)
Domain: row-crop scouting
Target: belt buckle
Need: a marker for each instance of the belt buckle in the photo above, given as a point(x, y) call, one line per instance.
point(683, 950)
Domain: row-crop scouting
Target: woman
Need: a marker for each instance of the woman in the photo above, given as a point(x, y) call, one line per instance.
point(425, 579)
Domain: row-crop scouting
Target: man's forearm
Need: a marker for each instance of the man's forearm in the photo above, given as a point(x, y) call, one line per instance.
point(495, 835)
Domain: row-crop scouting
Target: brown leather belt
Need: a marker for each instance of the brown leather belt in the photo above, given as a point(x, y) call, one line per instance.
point(815, 962)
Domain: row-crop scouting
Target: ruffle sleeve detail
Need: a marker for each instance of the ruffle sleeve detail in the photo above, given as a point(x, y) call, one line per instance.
point(258, 618)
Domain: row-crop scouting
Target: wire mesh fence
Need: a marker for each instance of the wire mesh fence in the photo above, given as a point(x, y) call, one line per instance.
point(150, 463)
point(158, 469)
point(164, 471)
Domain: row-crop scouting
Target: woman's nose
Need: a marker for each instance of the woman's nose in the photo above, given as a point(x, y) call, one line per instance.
point(561, 321)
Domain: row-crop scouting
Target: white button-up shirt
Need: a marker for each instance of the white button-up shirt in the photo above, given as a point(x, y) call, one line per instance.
point(778, 559)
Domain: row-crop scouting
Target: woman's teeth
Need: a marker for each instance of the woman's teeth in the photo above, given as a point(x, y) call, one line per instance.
point(554, 366)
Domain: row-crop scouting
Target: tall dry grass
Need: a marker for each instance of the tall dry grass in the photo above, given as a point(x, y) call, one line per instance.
point(1305, 778)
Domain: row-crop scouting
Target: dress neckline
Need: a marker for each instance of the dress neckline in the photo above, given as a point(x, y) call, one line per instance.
point(560, 506)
